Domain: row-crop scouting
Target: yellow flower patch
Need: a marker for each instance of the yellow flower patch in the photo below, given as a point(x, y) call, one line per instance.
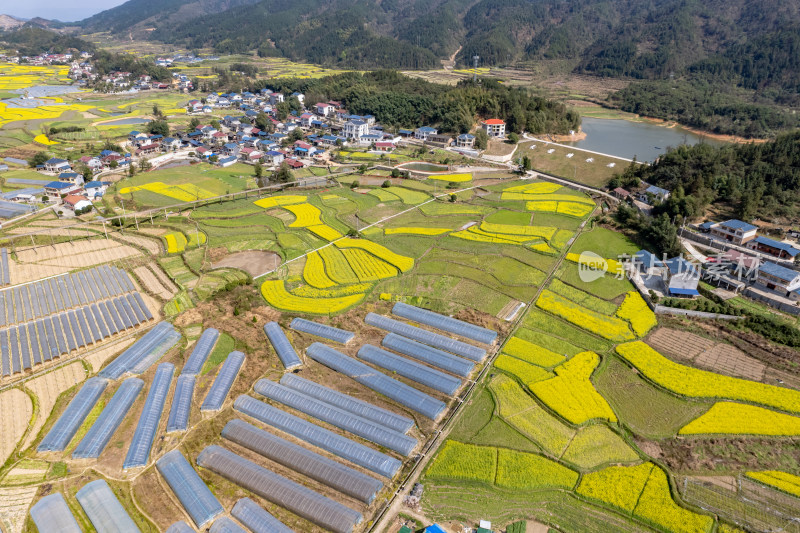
point(730, 418)
point(531, 353)
point(367, 267)
point(527, 373)
point(696, 383)
point(337, 267)
point(42, 139)
point(466, 462)
point(183, 193)
point(314, 272)
point(305, 215)
point(516, 196)
point(657, 507)
point(401, 262)
point(544, 232)
point(538, 187)
point(281, 200)
point(528, 471)
point(335, 292)
point(635, 310)
point(451, 178)
point(276, 295)
point(543, 207)
point(608, 327)
point(783, 481)
point(597, 445)
point(571, 393)
point(618, 486)
point(574, 209)
point(326, 232)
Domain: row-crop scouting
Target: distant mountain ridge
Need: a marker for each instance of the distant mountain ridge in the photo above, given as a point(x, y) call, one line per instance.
point(7, 22)
point(646, 39)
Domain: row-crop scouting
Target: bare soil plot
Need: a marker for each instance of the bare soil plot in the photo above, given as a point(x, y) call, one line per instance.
point(716, 356)
point(499, 148)
point(151, 245)
point(16, 409)
point(14, 504)
point(681, 344)
point(732, 361)
point(99, 357)
point(47, 389)
point(253, 262)
point(33, 264)
point(152, 283)
point(163, 278)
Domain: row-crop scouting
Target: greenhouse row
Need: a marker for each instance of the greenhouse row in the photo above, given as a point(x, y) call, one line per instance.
point(279, 490)
point(73, 416)
point(103, 508)
point(444, 323)
point(181, 404)
point(339, 418)
point(96, 439)
point(224, 381)
point(145, 433)
point(348, 449)
point(412, 370)
point(299, 459)
point(147, 344)
point(257, 519)
point(400, 392)
point(286, 352)
point(199, 502)
point(202, 349)
point(358, 407)
point(321, 330)
point(426, 337)
point(42, 339)
point(433, 356)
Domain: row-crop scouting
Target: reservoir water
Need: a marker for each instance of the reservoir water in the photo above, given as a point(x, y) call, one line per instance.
point(627, 139)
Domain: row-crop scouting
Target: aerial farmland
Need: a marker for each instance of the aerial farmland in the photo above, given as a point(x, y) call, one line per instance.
point(206, 349)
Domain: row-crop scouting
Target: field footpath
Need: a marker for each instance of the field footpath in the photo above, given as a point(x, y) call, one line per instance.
point(394, 506)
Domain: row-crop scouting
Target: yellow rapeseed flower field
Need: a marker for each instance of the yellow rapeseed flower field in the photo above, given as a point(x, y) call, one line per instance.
point(276, 295)
point(635, 310)
point(611, 328)
point(415, 231)
point(728, 418)
point(783, 481)
point(696, 383)
point(537, 187)
point(280, 200)
point(571, 393)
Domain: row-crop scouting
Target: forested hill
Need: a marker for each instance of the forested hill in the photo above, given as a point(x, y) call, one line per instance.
point(758, 179)
point(642, 39)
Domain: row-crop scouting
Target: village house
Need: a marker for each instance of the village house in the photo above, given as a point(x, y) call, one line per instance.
point(71, 177)
point(779, 279)
point(621, 193)
point(494, 127)
point(440, 139)
point(778, 249)
point(55, 164)
point(274, 157)
point(57, 189)
point(226, 161)
point(681, 278)
point(75, 202)
point(465, 140)
point(734, 231)
point(424, 132)
point(656, 193)
point(384, 146)
point(95, 189)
